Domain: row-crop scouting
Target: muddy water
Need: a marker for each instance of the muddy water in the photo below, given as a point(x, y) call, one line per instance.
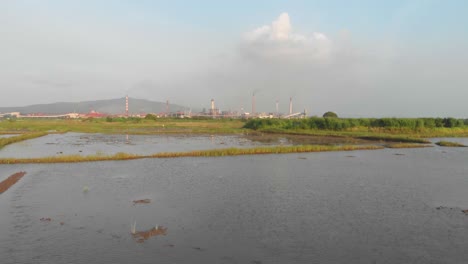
point(92, 144)
point(337, 207)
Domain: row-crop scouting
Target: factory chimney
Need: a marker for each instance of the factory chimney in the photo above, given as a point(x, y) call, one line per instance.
point(290, 105)
point(212, 107)
point(167, 108)
point(126, 105)
point(277, 113)
point(253, 104)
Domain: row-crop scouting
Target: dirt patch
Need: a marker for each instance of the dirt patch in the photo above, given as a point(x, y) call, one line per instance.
point(10, 181)
point(141, 236)
point(142, 201)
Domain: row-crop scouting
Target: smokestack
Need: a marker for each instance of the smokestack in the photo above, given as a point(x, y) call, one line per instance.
point(167, 107)
point(290, 105)
point(253, 104)
point(212, 106)
point(126, 105)
point(277, 113)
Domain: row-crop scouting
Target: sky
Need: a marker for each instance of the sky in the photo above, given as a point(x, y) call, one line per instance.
point(357, 58)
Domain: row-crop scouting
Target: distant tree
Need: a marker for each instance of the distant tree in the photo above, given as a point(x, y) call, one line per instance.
point(109, 119)
point(330, 114)
point(150, 117)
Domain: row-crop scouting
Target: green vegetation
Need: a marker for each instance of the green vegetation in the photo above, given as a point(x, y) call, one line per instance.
point(449, 144)
point(330, 114)
point(340, 124)
point(409, 130)
point(14, 139)
point(117, 125)
point(201, 153)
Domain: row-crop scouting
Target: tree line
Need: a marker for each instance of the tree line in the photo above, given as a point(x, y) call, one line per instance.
point(346, 123)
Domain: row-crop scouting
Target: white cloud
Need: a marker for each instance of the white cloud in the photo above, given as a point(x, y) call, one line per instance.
point(279, 41)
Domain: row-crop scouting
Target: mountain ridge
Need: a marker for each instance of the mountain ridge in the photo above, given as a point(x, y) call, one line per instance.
point(107, 106)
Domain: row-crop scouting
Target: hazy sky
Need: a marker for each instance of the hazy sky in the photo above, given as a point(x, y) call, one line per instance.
point(358, 58)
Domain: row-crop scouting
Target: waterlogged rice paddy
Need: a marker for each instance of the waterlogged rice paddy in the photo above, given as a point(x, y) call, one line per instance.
point(105, 144)
point(330, 207)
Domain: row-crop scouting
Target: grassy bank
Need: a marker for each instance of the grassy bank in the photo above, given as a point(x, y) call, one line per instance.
point(404, 130)
point(132, 126)
point(449, 144)
point(21, 137)
point(407, 145)
point(201, 153)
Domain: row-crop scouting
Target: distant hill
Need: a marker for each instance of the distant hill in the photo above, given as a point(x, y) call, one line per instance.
point(111, 106)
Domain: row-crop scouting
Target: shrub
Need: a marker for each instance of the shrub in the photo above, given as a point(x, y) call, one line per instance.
point(330, 114)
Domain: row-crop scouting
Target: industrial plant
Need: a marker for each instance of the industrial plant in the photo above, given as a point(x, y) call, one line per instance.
point(213, 111)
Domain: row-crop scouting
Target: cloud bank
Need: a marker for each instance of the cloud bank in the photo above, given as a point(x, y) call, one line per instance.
point(279, 41)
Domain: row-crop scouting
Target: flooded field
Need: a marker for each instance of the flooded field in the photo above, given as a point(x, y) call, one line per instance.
point(92, 144)
point(381, 206)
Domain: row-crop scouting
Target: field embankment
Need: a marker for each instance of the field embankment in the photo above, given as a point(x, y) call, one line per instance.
point(136, 126)
point(21, 137)
point(449, 144)
point(200, 153)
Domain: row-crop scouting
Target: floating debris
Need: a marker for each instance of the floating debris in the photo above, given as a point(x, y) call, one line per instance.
point(85, 189)
point(142, 201)
point(141, 236)
point(451, 208)
point(8, 182)
point(399, 154)
point(303, 158)
point(198, 248)
point(43, 219)
point(350, 156)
